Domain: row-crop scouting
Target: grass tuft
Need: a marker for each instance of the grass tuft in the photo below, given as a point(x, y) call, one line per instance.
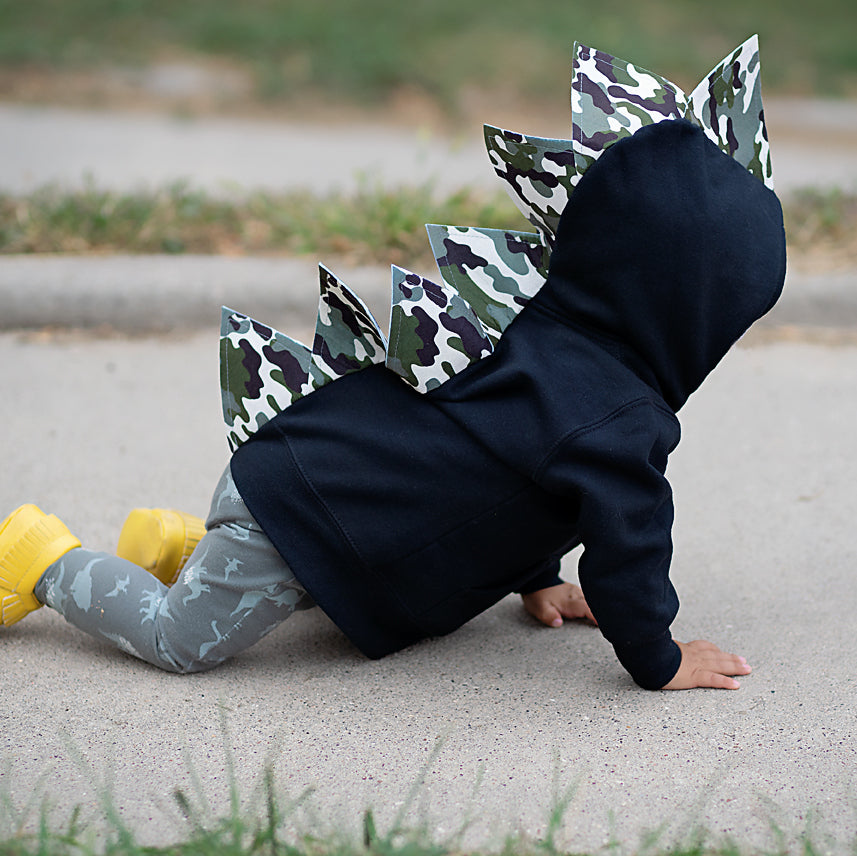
point(268, 827)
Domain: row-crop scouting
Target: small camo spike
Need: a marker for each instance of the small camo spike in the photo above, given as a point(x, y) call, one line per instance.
point(262, 371)
point(539, 173)
point(612, 99)
point(347, 337)
point(496, 271)
point(728, 106)
point(434, 333)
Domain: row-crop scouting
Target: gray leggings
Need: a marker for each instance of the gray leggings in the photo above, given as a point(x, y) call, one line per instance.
point(234, 589)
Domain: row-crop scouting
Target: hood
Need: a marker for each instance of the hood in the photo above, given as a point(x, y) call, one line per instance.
point(669, 250)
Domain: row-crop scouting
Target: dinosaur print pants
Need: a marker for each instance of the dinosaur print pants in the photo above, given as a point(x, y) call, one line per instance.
point(234, 589)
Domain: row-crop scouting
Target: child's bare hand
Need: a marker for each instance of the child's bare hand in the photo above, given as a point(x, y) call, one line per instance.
point(703, 664)
point(550, 605)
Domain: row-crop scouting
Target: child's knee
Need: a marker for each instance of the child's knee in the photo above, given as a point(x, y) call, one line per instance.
point(183, 659)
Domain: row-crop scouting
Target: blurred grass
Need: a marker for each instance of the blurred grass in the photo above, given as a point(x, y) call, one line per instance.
point(367, 51)
point(373, 225)
point(268, 822)
point(821, 226)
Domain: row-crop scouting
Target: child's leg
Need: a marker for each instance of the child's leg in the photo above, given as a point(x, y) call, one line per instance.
point(234, 589)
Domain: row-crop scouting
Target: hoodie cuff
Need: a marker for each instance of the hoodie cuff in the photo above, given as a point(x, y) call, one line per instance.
point(543, 580)
point(652, 664)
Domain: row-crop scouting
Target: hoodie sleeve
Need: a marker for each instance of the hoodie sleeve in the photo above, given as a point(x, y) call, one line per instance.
point(616, 469)
point(547, 576)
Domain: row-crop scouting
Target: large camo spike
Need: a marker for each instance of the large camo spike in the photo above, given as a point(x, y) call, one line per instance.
point(728, 106)
point(496, 271)
point(539, 173)
point(347, 337)
point(262, 371)
point(434, 333)
point(612, 99)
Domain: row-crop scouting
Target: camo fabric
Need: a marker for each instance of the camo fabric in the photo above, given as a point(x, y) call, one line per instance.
point(495, 271)
point(234, 589)
point(539, 173)
point(488, 275)
point(263, 371)
point(347, 337)
point(728, 106)
point(434, 333)
point(612, 99)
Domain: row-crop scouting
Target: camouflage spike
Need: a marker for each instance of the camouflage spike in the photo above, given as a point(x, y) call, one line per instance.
point(728, 106)
point(262, 371)
point(539, 174)
point(434, 334)
point(347, 337)
point(612, 99)
point(495, 271)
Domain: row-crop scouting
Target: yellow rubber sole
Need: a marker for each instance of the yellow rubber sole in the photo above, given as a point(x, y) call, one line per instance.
point(160, 540)
point(30, 542)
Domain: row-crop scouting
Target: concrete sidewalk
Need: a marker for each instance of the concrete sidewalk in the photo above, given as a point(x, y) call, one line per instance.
point(147, 294)
point(764, 564)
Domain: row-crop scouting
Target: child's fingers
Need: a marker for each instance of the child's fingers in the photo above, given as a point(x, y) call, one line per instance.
point(551, 615)
point(703, 664)
point(716, 681)
point(719, 661)
point(574, 605)
point(551, 605)
point(542, 610)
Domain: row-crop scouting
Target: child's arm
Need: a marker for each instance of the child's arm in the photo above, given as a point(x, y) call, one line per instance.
point(703, 664)
point(550, 605)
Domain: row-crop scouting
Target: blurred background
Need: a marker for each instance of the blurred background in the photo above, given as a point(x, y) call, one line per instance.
point(446, 57)
point(228, 127)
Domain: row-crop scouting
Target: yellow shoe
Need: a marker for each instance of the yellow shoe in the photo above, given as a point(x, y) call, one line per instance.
point(30, 541)
point(160, 540)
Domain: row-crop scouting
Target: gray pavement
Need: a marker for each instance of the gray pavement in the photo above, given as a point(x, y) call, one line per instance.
point(765, 556)
point(135, 294)
point(813, 143)
point(130, 151)
point(98, 422)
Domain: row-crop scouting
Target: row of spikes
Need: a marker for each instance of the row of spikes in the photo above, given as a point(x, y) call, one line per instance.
point(436, 330)
point(487, 275)
point(612, 99)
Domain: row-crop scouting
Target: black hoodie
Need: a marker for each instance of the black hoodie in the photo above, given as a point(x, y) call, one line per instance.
point(405, 515)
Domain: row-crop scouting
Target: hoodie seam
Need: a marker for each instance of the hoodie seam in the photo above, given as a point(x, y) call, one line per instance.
point(595, 425)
